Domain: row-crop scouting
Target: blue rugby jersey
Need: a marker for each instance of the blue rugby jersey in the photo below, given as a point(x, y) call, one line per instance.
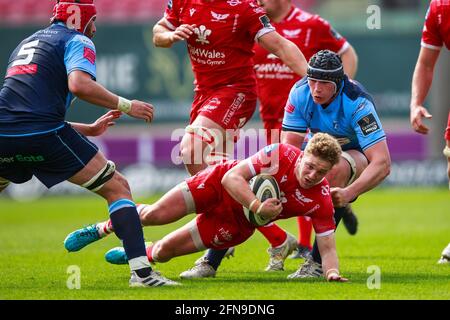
point(351, 117)
point(35, 94)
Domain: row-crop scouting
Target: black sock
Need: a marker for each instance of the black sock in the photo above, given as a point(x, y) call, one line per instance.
point(127, 226)
point(338, 214)
point(215, 257)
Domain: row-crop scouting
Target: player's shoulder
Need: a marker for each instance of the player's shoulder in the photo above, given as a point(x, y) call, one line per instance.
point(354, 92)
point(82, 39)
point(300, 91)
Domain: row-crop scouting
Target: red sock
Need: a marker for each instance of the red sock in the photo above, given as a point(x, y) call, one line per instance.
point(274, 234)
point(149, 250)
point(305, 230)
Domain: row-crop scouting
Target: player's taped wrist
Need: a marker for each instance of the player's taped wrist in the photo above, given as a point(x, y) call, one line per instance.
point(124, 105)
point(252, 203)
point(332, 272)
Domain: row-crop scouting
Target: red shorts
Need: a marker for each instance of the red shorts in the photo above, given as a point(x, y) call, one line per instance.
point(220, 222)
point(228, 107)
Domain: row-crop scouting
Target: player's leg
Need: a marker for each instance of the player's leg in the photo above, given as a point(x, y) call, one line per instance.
point(344, 173)
point(203, 143)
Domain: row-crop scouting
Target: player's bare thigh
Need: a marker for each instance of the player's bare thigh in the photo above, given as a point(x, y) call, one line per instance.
point(339, 176)
point(173, 206)
point(201, 137)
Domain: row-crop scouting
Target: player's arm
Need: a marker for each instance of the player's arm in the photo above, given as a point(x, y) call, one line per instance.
point(286, 50)
point(293, 138)
point(235, 182)
point(330, 263)
point(164, 36)
point(350, 61)
point(421, 83)
point(84, 87)
point(99, 126)
point(378, 169)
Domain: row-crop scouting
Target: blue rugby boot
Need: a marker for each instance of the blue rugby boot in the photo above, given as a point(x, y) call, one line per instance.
point(116, 255)
point(80, 238)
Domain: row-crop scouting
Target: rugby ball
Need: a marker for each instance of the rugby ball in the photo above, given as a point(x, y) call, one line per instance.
point(264, 187)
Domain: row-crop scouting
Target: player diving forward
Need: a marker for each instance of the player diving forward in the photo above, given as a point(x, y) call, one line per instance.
point(221, 191)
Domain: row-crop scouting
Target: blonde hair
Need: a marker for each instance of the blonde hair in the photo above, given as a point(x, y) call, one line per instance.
point(325, 147)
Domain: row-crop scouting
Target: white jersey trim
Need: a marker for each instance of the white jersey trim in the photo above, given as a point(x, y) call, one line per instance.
point(195, 234)
point(344, 48)
point(263, 31)
point(429, 46)
point(168, 24)
point(324, 234)
point(251, 167)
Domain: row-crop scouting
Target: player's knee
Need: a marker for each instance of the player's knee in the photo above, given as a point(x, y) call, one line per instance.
point(163, 251)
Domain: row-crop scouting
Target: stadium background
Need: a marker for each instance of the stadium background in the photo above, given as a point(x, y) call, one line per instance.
point(130, 65)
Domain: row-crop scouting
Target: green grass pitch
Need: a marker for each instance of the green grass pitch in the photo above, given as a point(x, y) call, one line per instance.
point(402, 232)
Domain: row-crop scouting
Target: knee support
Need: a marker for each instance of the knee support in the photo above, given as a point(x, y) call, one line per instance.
point(352, 164)
point(212, 139)
point(103, 176)
point(4, 183)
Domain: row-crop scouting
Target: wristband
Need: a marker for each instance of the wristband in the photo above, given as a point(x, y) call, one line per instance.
point(124, 105)
point(252, 203)
point(331, 271)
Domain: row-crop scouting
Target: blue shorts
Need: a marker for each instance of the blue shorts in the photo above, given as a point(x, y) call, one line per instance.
point(52, 157)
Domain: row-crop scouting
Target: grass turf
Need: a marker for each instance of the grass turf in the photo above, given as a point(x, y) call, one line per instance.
point(400, 231)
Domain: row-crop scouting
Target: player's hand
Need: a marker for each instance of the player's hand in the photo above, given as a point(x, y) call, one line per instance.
point(341, 197)
point(141, 110)
point(103, 123)
point(417, 113)
point(336, 278)
point(270, 208)
point(183, 32)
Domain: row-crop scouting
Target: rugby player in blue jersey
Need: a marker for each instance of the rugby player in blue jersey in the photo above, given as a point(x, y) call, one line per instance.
point(45, 73)
point(328, 101)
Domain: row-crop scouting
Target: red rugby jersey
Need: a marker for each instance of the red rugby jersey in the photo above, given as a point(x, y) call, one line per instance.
point(311, 34)
point(221, 47)
point(436, 29)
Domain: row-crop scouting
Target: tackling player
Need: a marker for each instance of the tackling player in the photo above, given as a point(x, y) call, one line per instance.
point(45, 73)
point(221, 191)
point(310, 33)
point(436, 32)
point(328, 101)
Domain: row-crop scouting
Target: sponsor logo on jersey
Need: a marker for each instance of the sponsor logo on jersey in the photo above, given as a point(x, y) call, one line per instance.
point(368, 124)
point(192, 11)
point(216, 242)
point(335, 34)
point(272, 68)
point(265, 21)
point(301, 198)
point(89, 54)
point(205, 53)
point(226, 234)
point(201, 186)
point(325, 190)
point(202, 32)
point(237, 102)
point(289, 108)
point(22, 69)
point(291, 33)
point(272, 56)
point(219, 17)
point(234, 3)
